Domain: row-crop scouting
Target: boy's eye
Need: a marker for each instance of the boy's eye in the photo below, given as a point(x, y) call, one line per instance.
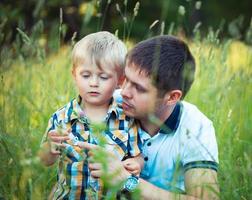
point(85, 75)
point(104, 76)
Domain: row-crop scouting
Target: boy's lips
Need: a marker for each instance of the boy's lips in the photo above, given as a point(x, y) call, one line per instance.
point(93, 93)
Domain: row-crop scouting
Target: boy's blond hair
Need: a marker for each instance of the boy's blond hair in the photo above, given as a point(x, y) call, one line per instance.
point(102, 49)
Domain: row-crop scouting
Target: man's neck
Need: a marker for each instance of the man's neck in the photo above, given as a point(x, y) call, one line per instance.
point(153, 122)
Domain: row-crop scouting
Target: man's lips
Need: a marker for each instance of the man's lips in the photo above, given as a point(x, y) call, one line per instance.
point(126, 105)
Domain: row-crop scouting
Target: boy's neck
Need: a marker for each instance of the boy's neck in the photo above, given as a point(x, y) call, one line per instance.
point(95, 113)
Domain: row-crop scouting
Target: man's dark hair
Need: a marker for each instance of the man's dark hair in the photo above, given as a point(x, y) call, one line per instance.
point(167, 60)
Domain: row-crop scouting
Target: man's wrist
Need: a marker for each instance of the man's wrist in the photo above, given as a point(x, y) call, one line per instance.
point(131, 183)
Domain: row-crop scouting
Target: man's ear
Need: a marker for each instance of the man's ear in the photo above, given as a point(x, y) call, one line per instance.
point(121, 80)
point(172, 97)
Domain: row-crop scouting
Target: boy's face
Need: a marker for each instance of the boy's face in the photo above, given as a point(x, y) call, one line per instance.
point(140, 97)
point(95, 86)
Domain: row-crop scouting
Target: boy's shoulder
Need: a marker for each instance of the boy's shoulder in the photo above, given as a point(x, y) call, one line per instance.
point(117, 96)
point(117, 106)
point(63, 112)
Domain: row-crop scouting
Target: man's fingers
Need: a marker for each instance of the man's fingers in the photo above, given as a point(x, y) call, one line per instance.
point(96, 174)
point(85, 145)
point(95, 169)
point(95, 166)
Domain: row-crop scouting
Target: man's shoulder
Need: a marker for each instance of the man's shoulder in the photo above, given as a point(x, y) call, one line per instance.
point(192, 114)
point(193, 119)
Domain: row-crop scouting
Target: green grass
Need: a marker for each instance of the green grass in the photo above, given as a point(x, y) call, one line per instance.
point(32, 89)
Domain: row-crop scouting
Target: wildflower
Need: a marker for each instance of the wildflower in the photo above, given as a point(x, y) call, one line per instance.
point(181, 10)
point(136, 8)
point(198, 5)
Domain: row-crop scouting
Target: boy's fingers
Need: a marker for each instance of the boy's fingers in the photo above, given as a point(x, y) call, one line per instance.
point(55, 133)
point(52, 132)
point(59, 139)
point(55, 148)
point(66, 132)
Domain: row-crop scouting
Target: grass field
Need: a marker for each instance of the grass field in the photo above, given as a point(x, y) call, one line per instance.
point(32, 89)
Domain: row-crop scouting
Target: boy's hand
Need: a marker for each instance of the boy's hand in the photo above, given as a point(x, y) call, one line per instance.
point(132, 166)
point(56, 140)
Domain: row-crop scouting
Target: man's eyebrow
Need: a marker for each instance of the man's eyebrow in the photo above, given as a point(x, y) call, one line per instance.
point(139, 85)
point(135, 83)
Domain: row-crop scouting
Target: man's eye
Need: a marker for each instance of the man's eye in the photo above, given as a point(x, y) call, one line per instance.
point(140, 89)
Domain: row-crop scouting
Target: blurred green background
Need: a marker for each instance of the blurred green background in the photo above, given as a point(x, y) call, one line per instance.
point(36, 39)
point(230, 16)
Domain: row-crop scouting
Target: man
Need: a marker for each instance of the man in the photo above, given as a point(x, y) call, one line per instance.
point(179, 144)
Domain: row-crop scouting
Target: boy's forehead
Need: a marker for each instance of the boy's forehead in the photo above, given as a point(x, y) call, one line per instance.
point(102, 67)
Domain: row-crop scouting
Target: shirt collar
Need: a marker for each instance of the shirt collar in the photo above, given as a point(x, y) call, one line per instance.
point(74, 111)
point(172, 122)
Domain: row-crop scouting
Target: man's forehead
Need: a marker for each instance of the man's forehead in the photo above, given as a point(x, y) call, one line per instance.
point(137, 69)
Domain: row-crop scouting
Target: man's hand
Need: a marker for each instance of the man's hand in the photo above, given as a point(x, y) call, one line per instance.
point(112, 167)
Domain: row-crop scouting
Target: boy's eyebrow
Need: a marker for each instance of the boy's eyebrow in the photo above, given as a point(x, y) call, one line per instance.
point(84, 70)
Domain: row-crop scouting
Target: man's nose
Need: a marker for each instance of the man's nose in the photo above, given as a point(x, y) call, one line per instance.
point(126, 91)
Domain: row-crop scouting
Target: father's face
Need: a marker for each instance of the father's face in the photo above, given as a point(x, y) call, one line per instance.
point(139, 94)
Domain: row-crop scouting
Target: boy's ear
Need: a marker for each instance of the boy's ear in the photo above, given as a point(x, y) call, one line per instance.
point(73, 73)
point(172, 97)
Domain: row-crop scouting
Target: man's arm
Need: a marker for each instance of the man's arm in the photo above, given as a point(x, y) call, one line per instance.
point(199, 183)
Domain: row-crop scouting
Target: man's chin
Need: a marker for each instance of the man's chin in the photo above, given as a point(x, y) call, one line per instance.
point(128, 113)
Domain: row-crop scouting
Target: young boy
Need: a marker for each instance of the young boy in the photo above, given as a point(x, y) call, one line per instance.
point(98, 65)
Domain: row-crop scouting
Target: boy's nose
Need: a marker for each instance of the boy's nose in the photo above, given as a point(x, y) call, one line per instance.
point(93, 82)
